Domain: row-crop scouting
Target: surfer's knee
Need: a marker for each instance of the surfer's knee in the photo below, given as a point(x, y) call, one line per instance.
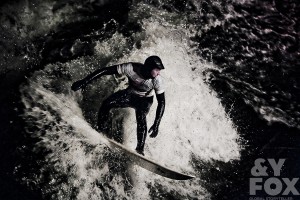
point(142, 127)
point(106, 105)
point(141, 115)
point(141, 121)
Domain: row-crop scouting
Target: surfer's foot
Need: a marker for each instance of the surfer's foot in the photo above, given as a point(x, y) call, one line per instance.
point(140, 151)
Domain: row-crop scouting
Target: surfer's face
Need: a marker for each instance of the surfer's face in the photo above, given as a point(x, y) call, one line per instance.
point(155, 72)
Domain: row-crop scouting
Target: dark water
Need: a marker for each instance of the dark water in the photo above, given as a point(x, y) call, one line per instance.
point(245, 51)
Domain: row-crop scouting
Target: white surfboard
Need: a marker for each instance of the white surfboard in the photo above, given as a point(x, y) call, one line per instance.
point(148, 164)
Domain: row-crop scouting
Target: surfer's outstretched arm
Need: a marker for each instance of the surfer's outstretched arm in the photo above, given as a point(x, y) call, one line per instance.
point(96, 74)
point(159, 113)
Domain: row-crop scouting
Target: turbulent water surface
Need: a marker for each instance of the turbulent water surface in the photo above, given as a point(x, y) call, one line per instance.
point(232, 93)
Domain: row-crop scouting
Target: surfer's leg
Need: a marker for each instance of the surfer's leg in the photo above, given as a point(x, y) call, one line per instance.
point(142, 107)
point(141, 131)
point(117, 100)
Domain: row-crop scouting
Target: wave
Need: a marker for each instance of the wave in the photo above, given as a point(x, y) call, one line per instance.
point(79, 165)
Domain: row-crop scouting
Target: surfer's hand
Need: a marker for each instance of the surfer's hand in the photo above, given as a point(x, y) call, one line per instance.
point(78, 85)
point(154, 130)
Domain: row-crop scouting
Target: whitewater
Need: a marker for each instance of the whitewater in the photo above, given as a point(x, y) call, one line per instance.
point(78, 162)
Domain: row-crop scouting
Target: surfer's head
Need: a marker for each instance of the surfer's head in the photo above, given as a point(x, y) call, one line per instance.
point(153, 65)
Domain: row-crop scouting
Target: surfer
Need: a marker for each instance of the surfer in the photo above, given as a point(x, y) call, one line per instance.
point(144, 81)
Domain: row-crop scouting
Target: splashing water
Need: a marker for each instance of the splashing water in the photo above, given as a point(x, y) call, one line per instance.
point(78, 162)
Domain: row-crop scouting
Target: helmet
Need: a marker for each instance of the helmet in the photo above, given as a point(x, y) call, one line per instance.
point(153, 62)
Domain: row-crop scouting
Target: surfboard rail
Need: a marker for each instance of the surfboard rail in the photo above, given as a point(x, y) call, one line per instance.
point(149, 164)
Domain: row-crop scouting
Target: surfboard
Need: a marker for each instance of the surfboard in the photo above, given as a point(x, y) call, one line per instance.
point(149, 164)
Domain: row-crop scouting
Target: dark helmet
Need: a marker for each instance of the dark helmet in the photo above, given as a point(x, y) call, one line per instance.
point(153, 62)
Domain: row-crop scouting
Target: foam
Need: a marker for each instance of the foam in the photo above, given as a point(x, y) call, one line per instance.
point(194, 123)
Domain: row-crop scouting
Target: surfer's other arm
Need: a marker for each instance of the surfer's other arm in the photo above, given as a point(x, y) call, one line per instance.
point(96, 74)
point(159, 113)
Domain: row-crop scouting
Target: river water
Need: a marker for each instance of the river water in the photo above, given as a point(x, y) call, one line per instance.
point(232, 93)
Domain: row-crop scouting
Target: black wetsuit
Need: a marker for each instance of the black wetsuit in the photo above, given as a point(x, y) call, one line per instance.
point(139, 95)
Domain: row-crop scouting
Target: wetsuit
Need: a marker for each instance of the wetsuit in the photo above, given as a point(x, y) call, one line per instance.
point(139, 95)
